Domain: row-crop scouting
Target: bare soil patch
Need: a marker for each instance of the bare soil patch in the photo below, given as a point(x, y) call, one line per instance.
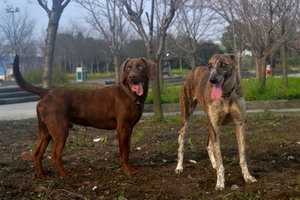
point(273, 149)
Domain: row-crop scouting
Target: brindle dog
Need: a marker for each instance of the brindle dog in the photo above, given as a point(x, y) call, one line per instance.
point(217, 89)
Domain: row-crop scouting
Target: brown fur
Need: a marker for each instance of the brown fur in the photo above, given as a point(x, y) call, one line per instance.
point(108, 108)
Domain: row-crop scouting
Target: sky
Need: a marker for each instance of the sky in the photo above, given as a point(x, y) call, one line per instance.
point(71, 13)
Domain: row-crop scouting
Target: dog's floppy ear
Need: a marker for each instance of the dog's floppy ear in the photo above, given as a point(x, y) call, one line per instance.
point(151, 68)
point(232, 57)
point(122, 75)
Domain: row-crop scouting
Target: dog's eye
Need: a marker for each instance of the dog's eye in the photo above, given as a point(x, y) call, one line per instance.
point(128, 68)
point(209, 66)
point(223, 65)
point(140, 67)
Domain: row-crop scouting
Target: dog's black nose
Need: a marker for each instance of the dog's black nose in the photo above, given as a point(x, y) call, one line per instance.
point(213, 80)
point(131, 77)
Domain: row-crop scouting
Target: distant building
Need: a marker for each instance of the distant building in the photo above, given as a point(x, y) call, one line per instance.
point(6, 65)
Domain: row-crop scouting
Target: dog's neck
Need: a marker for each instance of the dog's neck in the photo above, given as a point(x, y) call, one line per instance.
point(134, 97)
point(229, 85)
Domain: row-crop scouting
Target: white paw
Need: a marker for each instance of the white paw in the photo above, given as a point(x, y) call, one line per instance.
point(178, 170)
point(250, 179)
point(220, 186)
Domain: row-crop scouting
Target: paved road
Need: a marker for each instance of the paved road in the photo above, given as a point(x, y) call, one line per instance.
point(18, 111)
point(27, 110)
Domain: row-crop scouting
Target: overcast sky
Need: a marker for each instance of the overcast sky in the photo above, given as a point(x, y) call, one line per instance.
point(71, 13)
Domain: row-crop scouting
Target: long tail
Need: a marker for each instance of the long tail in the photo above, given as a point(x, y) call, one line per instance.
point(25, 85)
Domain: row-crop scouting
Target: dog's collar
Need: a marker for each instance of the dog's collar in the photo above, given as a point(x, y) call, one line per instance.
point(130, 94)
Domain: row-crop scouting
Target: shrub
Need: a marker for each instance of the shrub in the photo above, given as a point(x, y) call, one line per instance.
point(34, 76)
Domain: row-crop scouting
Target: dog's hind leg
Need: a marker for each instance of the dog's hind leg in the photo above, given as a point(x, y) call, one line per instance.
point(43, 140)
point(241, 145)
point(59, 129)
point(238, 115)
point(187, 110)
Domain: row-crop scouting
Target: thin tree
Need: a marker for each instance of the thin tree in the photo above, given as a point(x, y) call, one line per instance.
point(107, 18)
point(17, 30)
point(135, 11)
point(193, 23)
point(54, 15)
point(238, 44)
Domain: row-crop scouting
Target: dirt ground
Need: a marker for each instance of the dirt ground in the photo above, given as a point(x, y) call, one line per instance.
point(273, 149)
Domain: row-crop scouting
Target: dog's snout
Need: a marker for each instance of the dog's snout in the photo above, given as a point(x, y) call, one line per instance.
point(132, 76)
point(213, 80)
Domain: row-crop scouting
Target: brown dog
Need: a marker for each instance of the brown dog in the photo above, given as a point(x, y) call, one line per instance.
point(217, 89)
point(116, 107)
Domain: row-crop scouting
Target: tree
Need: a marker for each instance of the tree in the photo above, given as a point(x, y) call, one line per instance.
point(17, 30)
point(107, 18)
point(164, 16)
point(193, 23)
point(233, 39)
point(205, 51)
point(54, 15)
point(285, 23)
point(262, 30)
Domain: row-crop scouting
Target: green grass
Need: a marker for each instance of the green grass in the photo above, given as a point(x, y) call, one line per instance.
point(92, 76)
point(79, 86)
point(76, 145)
point(169, 94)
point(274, 89)
point(179, 72)
point(137, 137)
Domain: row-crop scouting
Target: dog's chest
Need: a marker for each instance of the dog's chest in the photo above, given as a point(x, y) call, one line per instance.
point(219, 108)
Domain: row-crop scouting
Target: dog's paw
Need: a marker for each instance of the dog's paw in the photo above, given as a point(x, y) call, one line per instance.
point(178, 170)
point(220, 187)
point(130, 171)
point(250, 179)
point(65, 176)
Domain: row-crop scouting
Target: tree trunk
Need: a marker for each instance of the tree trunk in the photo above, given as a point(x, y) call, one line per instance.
point(180, 64)
point(116, 66)
point(161, 76)
point(238, 65)
point(157, 107)
point(283, 64)
point(263, 66)
point(193, 62)
point(257, 66)
point(49, 52)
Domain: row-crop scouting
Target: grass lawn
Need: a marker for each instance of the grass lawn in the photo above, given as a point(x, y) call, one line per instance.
point(274, 90)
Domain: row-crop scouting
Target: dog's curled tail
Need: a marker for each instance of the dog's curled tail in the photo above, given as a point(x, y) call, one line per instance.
point(25, 85)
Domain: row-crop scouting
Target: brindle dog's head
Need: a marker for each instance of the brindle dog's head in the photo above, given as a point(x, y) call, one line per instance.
point(136, 72)
point(222, 70)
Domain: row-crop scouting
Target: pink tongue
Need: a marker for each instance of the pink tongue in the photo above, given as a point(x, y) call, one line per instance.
point(216, 92)
point(138, 89)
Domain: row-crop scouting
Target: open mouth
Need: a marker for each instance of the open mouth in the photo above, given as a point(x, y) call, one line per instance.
point(137, 88)
point(216, 92)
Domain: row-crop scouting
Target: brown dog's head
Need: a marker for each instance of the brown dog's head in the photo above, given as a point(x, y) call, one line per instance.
point(136, 73)
point(222, 67)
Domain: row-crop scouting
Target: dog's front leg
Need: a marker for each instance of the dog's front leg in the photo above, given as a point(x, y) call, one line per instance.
point(215, 145)
point(124, 134)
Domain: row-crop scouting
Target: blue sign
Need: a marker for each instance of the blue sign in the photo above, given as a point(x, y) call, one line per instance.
point(3, 65)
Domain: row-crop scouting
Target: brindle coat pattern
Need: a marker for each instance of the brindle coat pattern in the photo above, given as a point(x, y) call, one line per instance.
point(230, 107)
point(114, 107)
